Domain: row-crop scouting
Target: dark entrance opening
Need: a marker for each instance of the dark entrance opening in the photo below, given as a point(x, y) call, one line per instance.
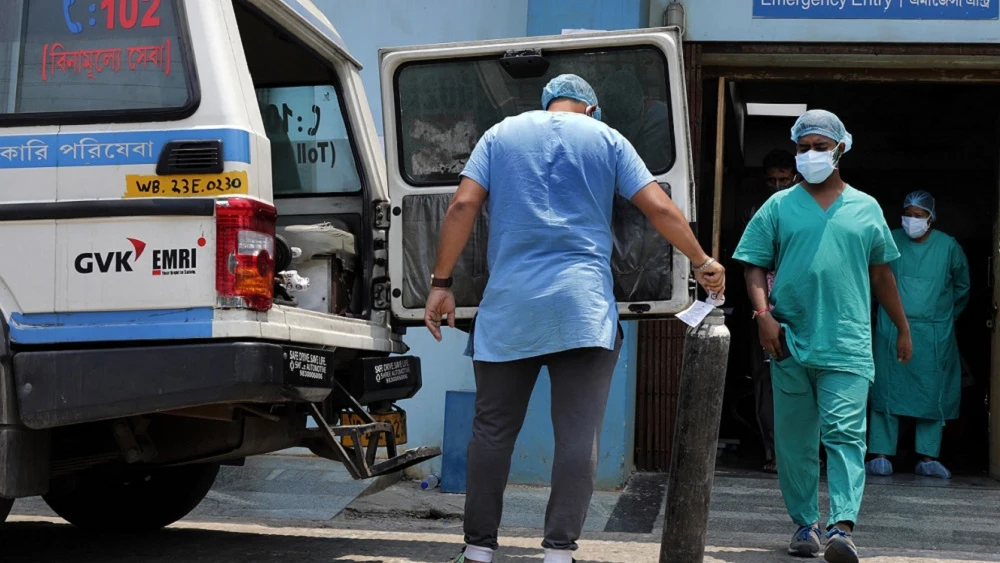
point(939, 137)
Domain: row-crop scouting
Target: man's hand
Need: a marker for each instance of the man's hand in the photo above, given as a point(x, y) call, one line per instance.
point(770, 334)
point(440, 305)
point(904, 347)
point(713, 278)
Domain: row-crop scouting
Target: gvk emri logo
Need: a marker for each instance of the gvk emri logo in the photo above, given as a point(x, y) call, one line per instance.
point(166, 262)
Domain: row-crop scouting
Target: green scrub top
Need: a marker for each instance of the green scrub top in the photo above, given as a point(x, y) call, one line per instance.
point(822, 289)
point(933, 282)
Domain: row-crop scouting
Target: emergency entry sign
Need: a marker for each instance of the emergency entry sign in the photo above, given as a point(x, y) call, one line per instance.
point(878, 9)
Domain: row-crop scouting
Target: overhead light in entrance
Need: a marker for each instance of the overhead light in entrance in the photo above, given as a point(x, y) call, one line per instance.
point(776, 110)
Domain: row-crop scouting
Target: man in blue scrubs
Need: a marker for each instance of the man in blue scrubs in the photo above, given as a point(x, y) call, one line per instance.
point(549, 179)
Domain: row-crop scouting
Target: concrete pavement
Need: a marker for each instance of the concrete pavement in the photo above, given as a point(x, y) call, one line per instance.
point(281, 508)
point(903, 519)
point(35, 540)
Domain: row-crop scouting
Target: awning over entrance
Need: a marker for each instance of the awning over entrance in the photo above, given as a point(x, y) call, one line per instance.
point(851, 62)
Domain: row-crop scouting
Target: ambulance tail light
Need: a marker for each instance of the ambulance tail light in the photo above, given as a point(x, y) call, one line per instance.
point(244, 259)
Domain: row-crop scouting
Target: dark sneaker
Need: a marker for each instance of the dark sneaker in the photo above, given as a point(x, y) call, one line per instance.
point(805, 542)
point(840, 547)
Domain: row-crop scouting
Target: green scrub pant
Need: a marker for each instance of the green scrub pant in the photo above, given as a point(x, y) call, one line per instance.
point(885, 433)
point(808, 404)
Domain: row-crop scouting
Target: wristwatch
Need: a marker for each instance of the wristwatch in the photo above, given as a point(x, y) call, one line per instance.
point(443, 283)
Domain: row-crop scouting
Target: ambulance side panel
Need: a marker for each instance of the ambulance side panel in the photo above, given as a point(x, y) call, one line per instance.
point(114, 220)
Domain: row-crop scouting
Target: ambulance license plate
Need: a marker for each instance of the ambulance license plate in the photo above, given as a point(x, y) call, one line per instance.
point(396, 418)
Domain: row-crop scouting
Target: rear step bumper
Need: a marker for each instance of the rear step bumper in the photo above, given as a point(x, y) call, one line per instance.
point(59, 388)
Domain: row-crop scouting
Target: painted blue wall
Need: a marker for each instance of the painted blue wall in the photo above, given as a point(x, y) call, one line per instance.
point(550, 17)
point(444, 368)
point(732, 20)
point(370, 25)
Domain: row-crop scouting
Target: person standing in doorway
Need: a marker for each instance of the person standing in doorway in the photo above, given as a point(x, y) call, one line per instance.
point(549, 179)
point(779, 170)
point(779, 174)
point(932, 275)
point(830, 247)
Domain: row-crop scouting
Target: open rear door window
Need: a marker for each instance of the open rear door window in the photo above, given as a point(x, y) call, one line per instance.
point(439, 100)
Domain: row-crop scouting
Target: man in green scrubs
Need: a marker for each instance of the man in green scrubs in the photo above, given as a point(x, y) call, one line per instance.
point(932, 275)
point(830, 247)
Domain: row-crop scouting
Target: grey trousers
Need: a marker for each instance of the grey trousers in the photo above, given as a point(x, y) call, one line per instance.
point(581, 381)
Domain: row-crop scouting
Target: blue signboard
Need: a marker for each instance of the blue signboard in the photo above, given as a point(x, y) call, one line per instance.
point(878, 9)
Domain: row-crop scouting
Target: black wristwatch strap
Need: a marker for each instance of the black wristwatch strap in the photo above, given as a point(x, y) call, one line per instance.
point(440, 282)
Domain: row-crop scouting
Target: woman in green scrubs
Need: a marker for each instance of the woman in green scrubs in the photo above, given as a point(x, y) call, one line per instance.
point(932, 274)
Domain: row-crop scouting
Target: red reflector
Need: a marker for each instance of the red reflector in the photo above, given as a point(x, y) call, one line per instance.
point(244, 265)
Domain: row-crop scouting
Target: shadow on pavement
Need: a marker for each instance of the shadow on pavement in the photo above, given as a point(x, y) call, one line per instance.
point(46, 542)
point(50, 543)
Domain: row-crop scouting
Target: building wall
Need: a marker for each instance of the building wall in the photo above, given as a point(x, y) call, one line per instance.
point(656, 10)
point(550, 17)
point(732, 20)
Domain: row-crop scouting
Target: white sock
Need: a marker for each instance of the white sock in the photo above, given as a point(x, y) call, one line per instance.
point(558, 556)
point(479, 554)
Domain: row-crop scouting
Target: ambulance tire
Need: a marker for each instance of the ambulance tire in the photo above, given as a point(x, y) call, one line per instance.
point(5, 505)
point(144, 501)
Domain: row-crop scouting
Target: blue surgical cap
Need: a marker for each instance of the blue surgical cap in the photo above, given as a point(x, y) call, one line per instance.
point(923, 200)
point(822, 122)
point(570, 86)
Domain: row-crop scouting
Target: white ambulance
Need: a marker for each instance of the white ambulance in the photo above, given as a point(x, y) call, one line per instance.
point(207, 246)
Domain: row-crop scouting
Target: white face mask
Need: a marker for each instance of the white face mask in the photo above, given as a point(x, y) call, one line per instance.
point(916, 227)
point(815, 166)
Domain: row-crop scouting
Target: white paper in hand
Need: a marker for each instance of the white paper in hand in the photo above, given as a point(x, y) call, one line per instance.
point(695, 314)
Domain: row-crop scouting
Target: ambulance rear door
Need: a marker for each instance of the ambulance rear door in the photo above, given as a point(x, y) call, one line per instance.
point(438, 100)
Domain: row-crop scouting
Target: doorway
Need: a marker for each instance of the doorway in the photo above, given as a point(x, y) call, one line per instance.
point(908, 135)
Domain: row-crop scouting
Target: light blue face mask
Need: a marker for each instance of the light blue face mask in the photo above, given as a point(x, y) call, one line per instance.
point(815, 166)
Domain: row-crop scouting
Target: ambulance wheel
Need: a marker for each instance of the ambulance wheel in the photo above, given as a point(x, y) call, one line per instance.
point(140, 501)
point(5, 505)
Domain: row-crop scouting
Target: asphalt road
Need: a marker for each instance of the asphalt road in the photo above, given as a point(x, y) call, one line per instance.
point(286, 510)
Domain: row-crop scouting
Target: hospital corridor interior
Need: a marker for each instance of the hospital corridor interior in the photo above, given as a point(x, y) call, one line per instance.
point(908, 135)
